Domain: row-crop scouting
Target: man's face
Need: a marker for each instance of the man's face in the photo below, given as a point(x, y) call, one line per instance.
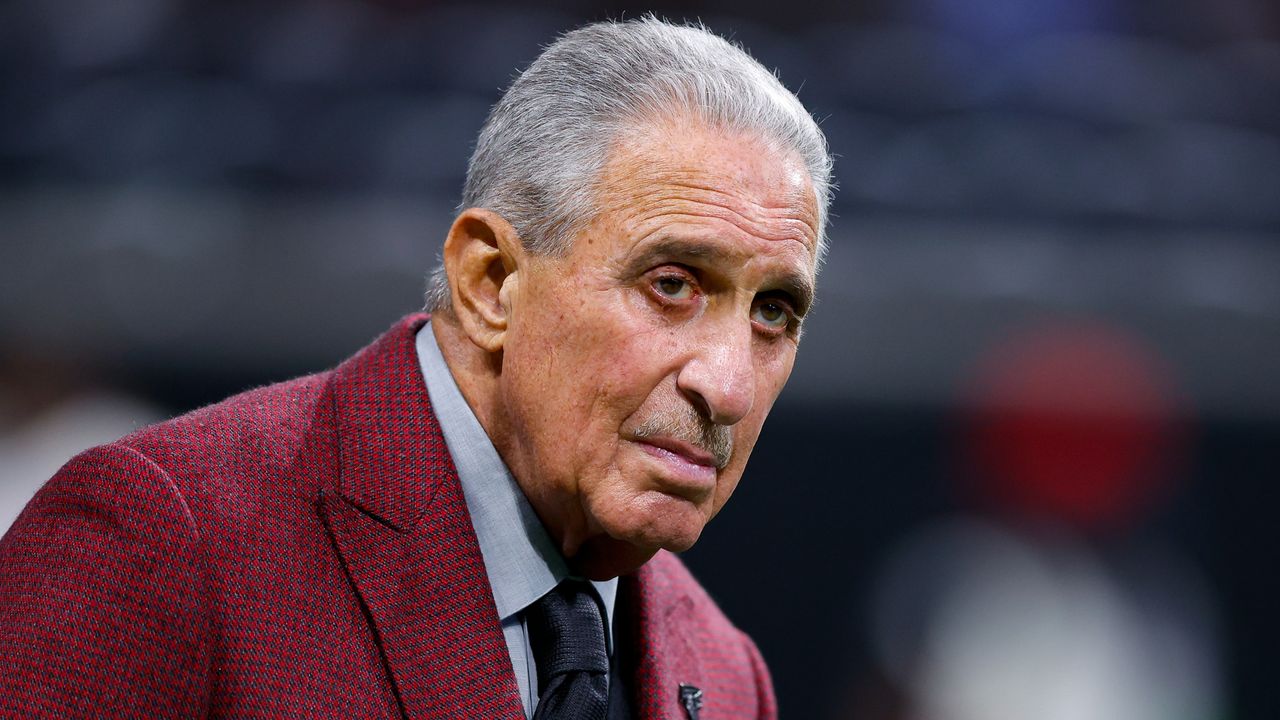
point(638, 368)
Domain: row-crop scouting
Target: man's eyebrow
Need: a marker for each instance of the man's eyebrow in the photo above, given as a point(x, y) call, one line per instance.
point(797, 285)
point(676, 248)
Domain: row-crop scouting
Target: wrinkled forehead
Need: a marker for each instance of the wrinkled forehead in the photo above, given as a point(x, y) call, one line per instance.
point(750, 178)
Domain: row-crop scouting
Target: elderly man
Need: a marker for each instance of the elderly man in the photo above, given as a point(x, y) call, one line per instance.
point(472, 517)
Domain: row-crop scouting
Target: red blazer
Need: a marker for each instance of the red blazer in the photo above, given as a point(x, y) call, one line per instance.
point(303, 550)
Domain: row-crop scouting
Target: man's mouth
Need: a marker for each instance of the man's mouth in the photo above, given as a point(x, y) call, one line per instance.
point(688, 470)
point(686, 450)
point(688, 435)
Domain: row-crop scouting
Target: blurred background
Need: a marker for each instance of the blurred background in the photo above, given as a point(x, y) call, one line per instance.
point(1023, 469)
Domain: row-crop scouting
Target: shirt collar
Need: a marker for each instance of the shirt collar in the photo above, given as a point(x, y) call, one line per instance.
point(521, 560)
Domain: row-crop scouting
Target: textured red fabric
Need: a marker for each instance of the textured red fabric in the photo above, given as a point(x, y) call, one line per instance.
point(303, 550)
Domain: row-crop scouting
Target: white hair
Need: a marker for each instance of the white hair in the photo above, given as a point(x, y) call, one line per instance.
point(546, 141)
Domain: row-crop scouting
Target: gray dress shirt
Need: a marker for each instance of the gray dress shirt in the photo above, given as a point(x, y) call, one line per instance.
point(521, 560)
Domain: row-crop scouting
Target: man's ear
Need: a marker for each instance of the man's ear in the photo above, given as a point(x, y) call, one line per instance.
point(482, 256)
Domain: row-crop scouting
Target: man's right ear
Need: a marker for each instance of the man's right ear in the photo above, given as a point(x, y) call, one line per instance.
point(482, 257)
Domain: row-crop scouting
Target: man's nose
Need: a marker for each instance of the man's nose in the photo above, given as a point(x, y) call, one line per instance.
point(719, 378)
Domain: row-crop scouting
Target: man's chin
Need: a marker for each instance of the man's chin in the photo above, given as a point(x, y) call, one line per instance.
point(624, 535)
point(605, 556)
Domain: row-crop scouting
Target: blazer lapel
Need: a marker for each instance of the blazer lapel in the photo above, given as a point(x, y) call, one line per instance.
point(660, 642)
point(400, 524)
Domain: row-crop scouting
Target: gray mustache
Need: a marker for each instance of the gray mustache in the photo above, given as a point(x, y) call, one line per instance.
point(688, 426)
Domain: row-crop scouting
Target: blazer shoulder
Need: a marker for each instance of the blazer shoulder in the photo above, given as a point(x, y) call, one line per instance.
point(674, 581)
point(286, 431)
point(725, 660)
point(118, 487)
point(265, 420)
point(672, 578)
point(272, 415)
point(251, 453)
point(103, 608)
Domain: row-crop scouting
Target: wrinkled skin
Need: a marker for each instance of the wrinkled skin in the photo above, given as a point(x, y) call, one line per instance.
point(631, 376)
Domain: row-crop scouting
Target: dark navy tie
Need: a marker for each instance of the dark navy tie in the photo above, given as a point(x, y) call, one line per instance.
point(566, 630)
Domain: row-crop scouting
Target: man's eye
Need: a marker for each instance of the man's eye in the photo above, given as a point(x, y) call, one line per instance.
point(771, 314)
point(676, 288)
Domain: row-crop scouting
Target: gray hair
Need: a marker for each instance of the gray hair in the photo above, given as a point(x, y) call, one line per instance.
point(545, 143)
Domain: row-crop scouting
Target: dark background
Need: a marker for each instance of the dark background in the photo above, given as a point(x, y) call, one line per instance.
point(198, 197)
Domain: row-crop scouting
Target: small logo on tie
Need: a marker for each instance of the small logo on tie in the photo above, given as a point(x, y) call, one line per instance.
point(691, 699)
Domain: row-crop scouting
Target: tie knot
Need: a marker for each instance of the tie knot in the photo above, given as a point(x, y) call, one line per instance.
point(566, 630)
